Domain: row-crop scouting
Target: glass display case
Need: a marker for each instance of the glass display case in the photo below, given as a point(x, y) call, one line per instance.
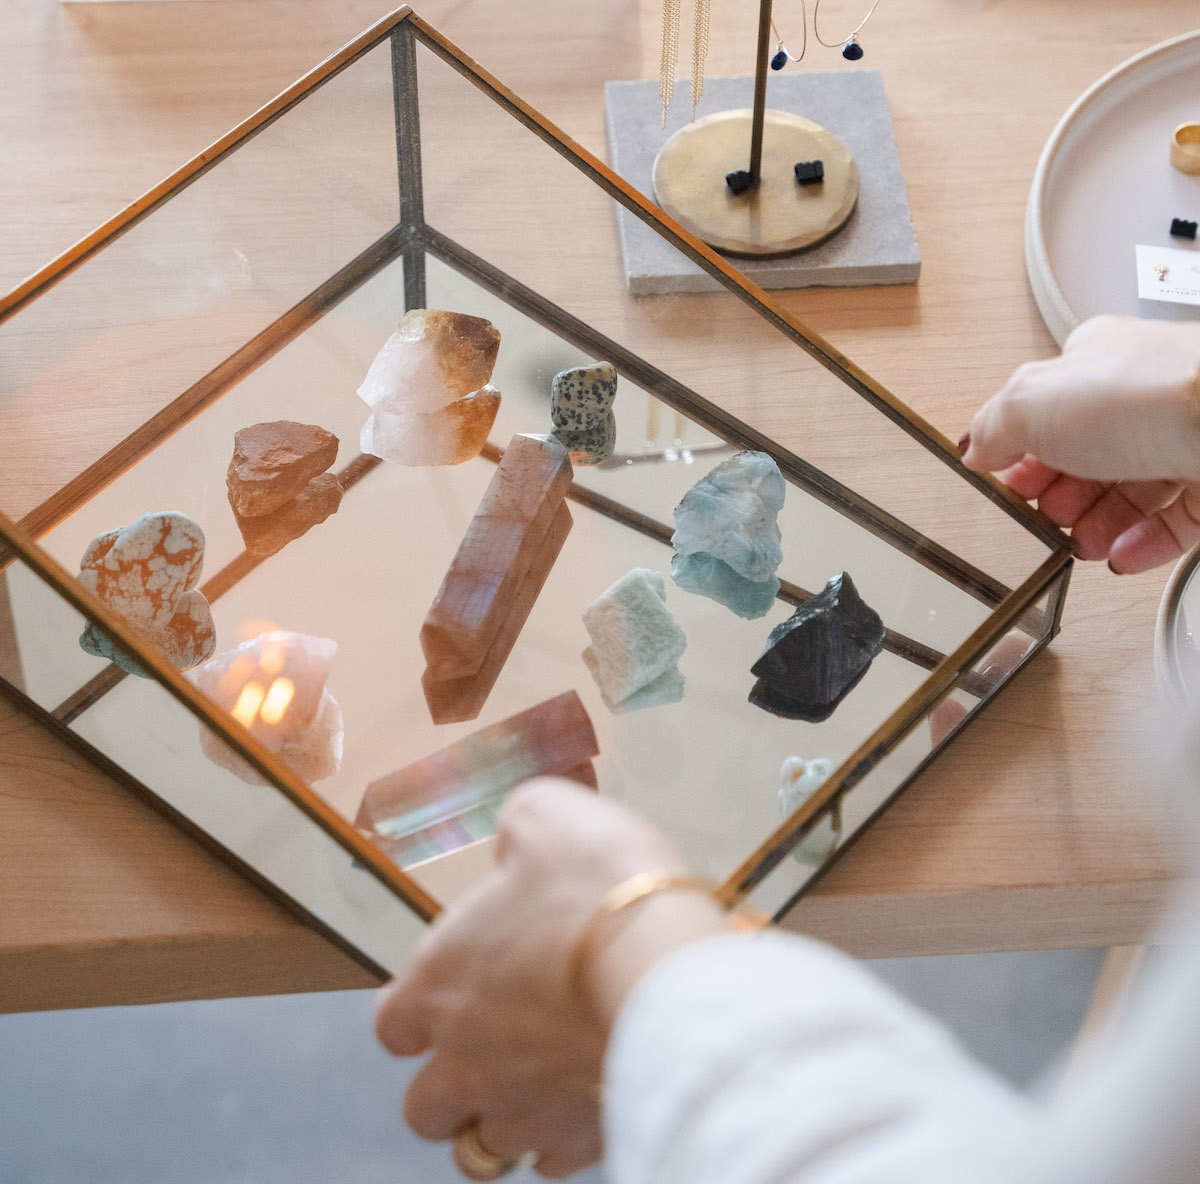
point(256, 287)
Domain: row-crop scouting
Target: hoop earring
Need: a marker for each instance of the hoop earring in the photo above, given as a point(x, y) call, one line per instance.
point(782, 54)
point(851, 50)
point(670, 55)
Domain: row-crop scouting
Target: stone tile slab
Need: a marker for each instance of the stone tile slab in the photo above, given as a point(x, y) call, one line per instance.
point(877, 246)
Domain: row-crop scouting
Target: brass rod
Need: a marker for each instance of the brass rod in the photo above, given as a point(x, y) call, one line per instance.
point(671, 391)
point(760, 90)
point(408, 160)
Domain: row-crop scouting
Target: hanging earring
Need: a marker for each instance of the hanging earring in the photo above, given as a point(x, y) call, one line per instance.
point(782, 54)
point(699, 51)
point(670, 55)
point(851, 50)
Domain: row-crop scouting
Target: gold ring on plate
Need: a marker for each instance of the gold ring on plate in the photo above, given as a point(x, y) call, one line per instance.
point(1185, 148)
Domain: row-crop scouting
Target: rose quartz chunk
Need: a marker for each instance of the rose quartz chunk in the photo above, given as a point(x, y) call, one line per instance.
point(274, 686)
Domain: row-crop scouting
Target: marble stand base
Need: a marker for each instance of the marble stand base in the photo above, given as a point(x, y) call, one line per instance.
point(877, 246)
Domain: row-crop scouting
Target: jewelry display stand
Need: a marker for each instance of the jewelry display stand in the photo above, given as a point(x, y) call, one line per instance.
point(877, 245)
point(1105, 184)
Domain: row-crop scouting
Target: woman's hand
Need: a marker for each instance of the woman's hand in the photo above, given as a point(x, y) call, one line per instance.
point(1106, 438)
point(516, 1053)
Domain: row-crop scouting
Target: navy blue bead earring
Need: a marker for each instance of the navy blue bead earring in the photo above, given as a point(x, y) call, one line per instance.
point(851, 50)
point(782, 55)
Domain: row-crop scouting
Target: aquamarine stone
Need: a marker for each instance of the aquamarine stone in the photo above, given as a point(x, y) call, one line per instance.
point(636, 643)
point(727, 541)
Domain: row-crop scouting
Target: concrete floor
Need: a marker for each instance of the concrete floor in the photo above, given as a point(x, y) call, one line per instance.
point(294, 1090)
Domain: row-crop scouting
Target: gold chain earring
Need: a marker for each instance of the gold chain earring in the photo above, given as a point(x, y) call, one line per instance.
point(699, 51)
point(670, 55)
point(851, 50)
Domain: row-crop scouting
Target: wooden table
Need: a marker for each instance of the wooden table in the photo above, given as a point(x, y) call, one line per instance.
point(1030, 832)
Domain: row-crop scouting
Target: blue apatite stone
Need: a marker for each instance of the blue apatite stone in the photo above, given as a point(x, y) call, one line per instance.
point(708, 576)
point(853, 51)
point(94, 641)
point(779, 60)
point(727, 542)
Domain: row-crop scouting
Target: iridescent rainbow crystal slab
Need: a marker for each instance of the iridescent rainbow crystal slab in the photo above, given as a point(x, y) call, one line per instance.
point(495, 577)
point(146, 572)
point(451, 797)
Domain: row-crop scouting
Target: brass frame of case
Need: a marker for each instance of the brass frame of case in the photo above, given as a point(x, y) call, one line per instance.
point(412, 240)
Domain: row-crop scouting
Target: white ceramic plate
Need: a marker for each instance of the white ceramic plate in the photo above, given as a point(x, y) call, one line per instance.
point(1105, 183)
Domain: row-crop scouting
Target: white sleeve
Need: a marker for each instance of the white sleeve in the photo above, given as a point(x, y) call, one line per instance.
point(773, 1059)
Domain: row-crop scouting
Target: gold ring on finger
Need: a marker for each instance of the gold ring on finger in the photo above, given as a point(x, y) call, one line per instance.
point(476, 1158)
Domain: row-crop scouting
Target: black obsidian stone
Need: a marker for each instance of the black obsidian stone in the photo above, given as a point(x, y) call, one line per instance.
point(1181, 228)
point(817, 656)
point(810, 172)
point(853, 51)
point(779, 60)
point(739, 181)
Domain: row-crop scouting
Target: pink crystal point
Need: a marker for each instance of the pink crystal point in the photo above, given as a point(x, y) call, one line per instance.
point(494, 579)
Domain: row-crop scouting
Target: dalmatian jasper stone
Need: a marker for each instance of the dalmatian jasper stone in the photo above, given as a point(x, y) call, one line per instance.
point(581, 399)
point(592, 446)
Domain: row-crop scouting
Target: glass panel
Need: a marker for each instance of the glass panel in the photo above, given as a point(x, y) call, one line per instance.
point(301, 200)
point(836, 827)
point(150, 735)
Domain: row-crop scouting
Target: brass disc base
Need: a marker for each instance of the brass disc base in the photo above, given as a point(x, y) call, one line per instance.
point(779, 215)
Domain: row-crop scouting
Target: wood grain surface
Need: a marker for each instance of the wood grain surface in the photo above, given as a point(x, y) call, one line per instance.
point(1032, 831)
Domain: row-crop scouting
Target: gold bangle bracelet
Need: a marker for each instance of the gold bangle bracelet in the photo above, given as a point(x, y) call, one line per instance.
point(1185, 148)
point(616, 900)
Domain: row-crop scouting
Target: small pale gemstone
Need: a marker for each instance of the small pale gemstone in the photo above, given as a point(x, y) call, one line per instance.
point(799, 779)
